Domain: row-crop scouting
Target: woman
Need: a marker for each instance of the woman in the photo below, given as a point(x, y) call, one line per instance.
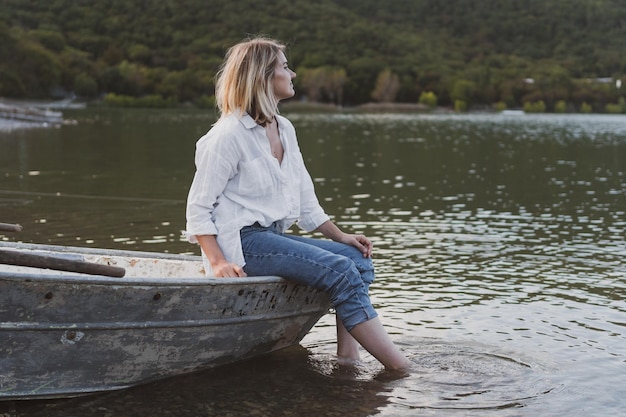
point(251, 185)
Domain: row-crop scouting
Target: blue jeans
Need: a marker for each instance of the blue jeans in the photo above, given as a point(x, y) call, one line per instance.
point(338, 269)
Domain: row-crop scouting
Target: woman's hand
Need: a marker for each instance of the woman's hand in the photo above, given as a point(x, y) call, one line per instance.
point(220, 266)
point(360, 242)
point(227, 270)
point(331, 231)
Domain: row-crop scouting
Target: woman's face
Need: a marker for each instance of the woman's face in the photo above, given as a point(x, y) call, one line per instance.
point(283, 87)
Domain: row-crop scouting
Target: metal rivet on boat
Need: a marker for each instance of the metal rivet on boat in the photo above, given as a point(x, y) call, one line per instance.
point(71, 337)
point(48, 296)
point(157, 296)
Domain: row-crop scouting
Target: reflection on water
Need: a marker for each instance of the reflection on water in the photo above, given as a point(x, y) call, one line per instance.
point(499, 249)
point(276, 385)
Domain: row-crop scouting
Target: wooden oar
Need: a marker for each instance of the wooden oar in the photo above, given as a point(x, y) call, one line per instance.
point(6, 227)
point(13, 257)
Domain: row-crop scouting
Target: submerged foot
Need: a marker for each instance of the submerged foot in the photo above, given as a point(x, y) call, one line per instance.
point(349, 362)
point(391, 374)
point(349, 368)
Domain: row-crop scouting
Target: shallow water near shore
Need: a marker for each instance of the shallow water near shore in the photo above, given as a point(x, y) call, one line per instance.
point(499, 247)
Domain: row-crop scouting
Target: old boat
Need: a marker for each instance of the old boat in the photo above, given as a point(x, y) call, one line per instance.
point(30, 114)
point(65, 333)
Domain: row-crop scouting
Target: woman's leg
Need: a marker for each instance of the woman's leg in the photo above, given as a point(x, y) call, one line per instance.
point(373, 337)
point(270, 253)
point(347, 346)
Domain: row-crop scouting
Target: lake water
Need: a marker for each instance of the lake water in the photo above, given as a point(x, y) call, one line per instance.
point(499, 248)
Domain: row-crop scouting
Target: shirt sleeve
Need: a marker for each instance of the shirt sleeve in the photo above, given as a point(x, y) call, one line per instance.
point(216, 162)
point(312, 215)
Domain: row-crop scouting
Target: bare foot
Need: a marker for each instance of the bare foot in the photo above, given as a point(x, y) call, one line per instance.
point(349, 362)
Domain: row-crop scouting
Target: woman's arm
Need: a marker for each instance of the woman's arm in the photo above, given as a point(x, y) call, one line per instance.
point(331, 231)
point(221, 267)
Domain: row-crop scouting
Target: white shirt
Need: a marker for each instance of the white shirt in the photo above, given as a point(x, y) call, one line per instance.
point(238, 182)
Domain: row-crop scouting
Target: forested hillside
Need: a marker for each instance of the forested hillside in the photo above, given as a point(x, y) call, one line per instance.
point(566, 54)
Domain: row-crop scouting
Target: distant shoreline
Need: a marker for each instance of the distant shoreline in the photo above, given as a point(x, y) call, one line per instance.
point(300, 106)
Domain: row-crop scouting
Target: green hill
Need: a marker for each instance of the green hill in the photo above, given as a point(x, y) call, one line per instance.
point(470, 52)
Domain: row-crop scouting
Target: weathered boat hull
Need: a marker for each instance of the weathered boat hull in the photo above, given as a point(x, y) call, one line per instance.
point(71, 334)
point(30, 114)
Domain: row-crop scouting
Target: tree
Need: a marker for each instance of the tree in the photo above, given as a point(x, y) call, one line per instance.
point(85, 86)
point(312, 80)
point(463, 91)
point(334, 88)
point(437, 46)
point(323, 84)
point(387, 86)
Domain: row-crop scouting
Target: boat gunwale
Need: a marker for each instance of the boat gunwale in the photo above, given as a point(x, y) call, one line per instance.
point(143, 281)
point(126, 281)
point(99, 251)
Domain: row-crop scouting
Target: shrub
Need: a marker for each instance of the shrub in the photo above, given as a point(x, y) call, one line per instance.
point(586, 108)
point(152, 101)
point(463, 90)
point(560, 106)
point(613, 108)
point(428, 98)
point(535, 107)
point(205, 102)
point(460, 106)
point(500, 106)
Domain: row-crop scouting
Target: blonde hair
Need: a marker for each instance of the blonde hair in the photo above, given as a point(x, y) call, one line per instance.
point(243, 83)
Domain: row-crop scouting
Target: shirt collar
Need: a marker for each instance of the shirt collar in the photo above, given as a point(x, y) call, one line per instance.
point(247, 121)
